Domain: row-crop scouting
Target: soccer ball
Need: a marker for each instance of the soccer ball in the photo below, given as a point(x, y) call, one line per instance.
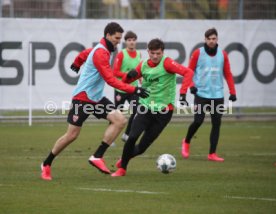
point(166, 163)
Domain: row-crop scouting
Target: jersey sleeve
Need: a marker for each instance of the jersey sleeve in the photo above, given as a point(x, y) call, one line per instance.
point(118, 64)
point(101, 61)
point(173, 67)
point(82, 56)
point(138, 69)
point(228, 74)
point(193, 62)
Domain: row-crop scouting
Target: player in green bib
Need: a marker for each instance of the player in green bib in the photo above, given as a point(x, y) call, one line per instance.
point(155, 79)
point(125, 61)
point(154, 112)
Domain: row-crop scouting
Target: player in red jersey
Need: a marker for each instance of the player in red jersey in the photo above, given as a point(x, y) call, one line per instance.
point(154, 112)
point(88, 98)
point(126, 60)
point(210, 65)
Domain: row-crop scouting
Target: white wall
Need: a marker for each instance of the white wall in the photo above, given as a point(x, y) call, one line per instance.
point(18, 35)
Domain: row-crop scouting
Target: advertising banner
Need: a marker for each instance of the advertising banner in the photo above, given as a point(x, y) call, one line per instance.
point(36, 54)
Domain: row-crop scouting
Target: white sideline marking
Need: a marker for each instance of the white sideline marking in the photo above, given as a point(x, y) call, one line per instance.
point(118, 190)
point(250, 198)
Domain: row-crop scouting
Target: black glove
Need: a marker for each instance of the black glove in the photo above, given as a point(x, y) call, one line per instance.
point(132, 74)
point(193, 90)
point(182, 100)
point(232, 97)
point(75, 68)
point(141, 92)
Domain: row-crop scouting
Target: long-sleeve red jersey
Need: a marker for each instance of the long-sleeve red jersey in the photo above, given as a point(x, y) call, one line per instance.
point(81, 57)
point(226, 69)
point(101, 59)
point(119, 60)
point(172, 67)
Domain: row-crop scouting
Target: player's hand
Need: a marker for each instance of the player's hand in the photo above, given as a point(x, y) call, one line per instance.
point(141, 92)
point(132, 74)
point(182, 100)
point(232, 97)
point(75, 68)
point(193, 90)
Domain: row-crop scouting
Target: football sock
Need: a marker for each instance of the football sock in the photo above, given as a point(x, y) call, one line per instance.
point(129, 123)
point(101, 150)
point(49, 159)
point(128, 151)
point(198, 120)
point(191, 131)
point(214, 135)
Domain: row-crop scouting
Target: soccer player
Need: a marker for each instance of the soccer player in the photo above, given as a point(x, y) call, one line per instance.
point(88, 99)
point(154, 112)
point(210, 64)
point(126, 60)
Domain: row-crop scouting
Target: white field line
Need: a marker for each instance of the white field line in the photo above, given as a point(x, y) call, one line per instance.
point(250, 198)
point(119, 190)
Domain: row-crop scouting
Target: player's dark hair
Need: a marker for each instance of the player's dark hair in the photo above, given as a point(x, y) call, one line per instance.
point(130, 35)
point(156, 44)
point(211, 31)
point(113, 28)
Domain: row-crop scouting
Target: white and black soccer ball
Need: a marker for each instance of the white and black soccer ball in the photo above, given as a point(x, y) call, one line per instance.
point(166, 163)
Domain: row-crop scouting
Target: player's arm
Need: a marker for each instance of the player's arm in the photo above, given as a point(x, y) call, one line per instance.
point(193, 62)
point(141, 78)
point(101, 62)
point(134, 74)
point(229, 77)
point(173, 67)
point(80, 59)
point(118, 64)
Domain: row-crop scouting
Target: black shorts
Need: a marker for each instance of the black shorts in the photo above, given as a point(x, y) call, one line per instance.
point(201, 105)
point(80, 110)
point(120, 98)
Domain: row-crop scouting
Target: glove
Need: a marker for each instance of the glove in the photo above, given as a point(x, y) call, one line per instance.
point(193, 90)
point(132, 74)
point(75, 68)
point(232, 97)
point(182, 100)
point(141, 92)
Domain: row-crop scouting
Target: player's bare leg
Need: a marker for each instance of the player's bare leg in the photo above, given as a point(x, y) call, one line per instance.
point(71, 134)
point(117, 123)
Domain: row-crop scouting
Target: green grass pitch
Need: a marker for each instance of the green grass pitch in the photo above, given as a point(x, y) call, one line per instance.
point(244, 183)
